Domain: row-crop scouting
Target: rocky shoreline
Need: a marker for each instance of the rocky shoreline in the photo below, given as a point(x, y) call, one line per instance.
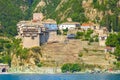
point(42, 70)
point(53, 70)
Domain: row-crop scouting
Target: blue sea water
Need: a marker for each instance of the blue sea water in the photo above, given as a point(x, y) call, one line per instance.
point(60, 77)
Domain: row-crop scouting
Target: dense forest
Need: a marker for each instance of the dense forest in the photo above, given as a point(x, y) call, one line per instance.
point(9, 16)
point(111, 10)
point(12, 11)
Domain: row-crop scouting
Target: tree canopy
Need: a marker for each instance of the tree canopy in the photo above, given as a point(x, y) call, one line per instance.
point(69, 67)
point(113, 40)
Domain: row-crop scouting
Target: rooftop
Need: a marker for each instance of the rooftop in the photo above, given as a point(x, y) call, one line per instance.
point(87, 24)
point(109, 48)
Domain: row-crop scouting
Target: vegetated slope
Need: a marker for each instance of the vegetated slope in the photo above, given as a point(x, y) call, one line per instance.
point(60, 10)
point(104, 12)
point(9, 15)
point(12, 11)
point(48, 8)
point(13, 54)
point(111, 12)
point(71, 9)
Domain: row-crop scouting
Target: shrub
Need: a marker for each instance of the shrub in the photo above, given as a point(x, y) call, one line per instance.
point(6, 59)
point(96, 39)
point(89, 43)
point(65, 31)
point(91, 40)
point(75, 68)
point(69, 67)
point(1, 47)
point(88, 34)
point(87, 37)
point(66, 67)
point(4, 41)
point(39, 65)
point(79, 33)
point(94, 50)
point(117, 65)
point(77, 37)
point(36, 49)
point(59, 32)
point(89, 31)
point(24, 53)
point(80, 54)
point(85, 50)
point(8, 46)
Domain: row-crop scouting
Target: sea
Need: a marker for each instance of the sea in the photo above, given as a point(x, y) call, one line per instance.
point(59, 76)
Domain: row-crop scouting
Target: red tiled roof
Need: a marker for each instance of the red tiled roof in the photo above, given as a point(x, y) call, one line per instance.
point(86, 24)
point(35, 20)
point(108, 48)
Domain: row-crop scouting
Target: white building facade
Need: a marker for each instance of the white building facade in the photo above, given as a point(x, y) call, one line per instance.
point(69, 25)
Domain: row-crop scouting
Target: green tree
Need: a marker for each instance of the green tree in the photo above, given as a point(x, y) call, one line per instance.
point(91, 40)
point(75, 68)
point(117, 65)
point(112, 40)
point(79, 35)
point(117, 51)
point(88, 34)
point(37, 50)
point(96, 39)
point(65, 31)
point(71, 67)
point(66, 67)
point(6, 59)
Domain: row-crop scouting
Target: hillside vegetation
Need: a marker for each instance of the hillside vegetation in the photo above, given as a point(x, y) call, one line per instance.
point(111, 9)
point(12, 11)
point(9, 15)
point(13, 53)
point(60, 10)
